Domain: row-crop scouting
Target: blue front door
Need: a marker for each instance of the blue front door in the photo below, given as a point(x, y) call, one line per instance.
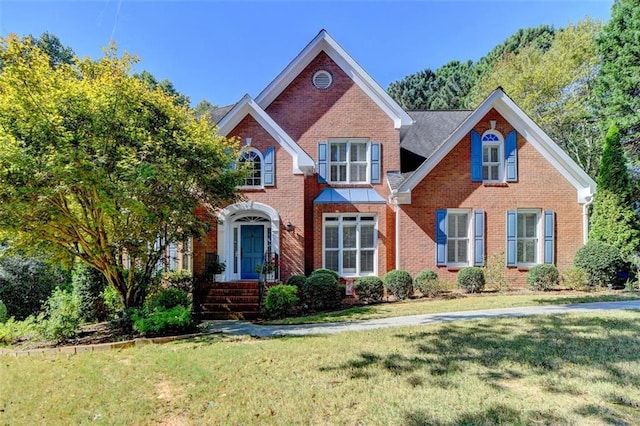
point(251, 250)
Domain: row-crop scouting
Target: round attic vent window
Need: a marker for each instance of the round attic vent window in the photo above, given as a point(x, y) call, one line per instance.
point(322, 80)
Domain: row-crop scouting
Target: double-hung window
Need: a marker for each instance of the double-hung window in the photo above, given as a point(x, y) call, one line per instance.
point(530, 237)
point(492, 156)
point(527, 237)
point(460, 237)
point(349, 244)
point(349, 161)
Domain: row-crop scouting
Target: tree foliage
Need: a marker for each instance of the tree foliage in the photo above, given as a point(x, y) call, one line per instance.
point(450, 86)
point(615, 223)
point(614, 175)
point(555, 87)
point(101, 166)
point(618, 83)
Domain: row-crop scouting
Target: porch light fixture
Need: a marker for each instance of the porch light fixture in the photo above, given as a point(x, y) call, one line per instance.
point(289, 226)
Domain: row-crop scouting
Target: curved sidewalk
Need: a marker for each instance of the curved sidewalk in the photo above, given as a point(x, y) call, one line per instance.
point(243, 327)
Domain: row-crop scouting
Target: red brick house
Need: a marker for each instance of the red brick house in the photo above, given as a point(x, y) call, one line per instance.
point(347, 180)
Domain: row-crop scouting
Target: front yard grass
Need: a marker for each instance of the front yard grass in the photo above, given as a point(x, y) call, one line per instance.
point(566, 369)
point(460, 302)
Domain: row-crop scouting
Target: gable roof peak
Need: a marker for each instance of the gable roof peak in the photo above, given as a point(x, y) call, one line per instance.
point(323, 42)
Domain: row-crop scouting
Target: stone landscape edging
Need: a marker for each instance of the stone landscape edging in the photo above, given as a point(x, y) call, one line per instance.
point(73, 350)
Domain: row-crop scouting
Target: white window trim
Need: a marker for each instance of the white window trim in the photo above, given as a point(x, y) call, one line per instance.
point(251, 149)
point(348, 141)
point(358, 248)
point(501, 159)
point(539, 232)
point(469, 214)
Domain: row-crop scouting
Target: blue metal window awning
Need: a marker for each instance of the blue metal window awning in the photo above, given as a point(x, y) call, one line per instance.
point(349, 196)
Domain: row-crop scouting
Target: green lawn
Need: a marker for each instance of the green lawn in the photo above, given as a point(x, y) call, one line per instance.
point(572, 369)
point(460, 302)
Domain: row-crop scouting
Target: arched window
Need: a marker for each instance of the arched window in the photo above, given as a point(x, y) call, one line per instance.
point(252, 161)
point(492, 155)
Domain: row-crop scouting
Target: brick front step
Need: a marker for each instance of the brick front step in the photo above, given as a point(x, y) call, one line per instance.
point(232, 300)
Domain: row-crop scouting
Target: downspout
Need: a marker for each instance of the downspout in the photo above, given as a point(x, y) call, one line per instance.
point(394, 202)
point(585, 219)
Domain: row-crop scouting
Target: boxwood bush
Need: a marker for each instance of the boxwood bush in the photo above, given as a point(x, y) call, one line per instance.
point(297, 280)
point(369, 289)
point(281, 301)
point(471, 279)
point(399, 283)
point(601, 262)
point(427, 283)
point(168, 299)
point(322, 291)
point(334, 274)
point(543, 277)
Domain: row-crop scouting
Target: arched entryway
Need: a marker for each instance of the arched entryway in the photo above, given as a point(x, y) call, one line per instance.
point(246, 231)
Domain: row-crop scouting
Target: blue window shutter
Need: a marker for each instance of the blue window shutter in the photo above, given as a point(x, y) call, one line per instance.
point(269, 167)
point(511, 156)
point(375, 162)
point(512, 246)
point(476, 157)
point(322, 162)
point(549, 237)
point(441, 237)
point(478, 238)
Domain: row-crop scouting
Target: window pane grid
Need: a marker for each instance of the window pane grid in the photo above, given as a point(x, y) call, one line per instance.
point(457, 238)
point(350, 244)
point(527, 238)
point(348, 162)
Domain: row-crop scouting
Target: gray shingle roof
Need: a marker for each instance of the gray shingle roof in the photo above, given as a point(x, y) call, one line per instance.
point(218, 114)
point(430, 130)
point(395, 178)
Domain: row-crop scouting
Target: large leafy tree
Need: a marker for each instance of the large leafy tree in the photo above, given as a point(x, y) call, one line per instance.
point(98, 165)
point(555, 87)
point(618, 83)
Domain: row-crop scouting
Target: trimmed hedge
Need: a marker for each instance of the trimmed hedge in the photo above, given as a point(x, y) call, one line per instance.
point(471, 279)
point(369, 288)
point(281, 301)
point(600, 261)
point(169, 298)
point(334, 274)
point(427, 283)
point(322, 291)
point(297, 280)
point(399, 283)
point(543, 277)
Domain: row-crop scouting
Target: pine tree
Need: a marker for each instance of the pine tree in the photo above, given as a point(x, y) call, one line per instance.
point(614, 175)
point(618, 83)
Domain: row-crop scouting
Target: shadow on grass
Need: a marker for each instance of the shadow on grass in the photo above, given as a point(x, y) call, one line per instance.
point(498, 414)
point(588, 299)
point(547, 346)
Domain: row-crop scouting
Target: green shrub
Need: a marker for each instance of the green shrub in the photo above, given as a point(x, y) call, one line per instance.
point(601, 262)
point(399, 283)
point(12, 330)
point(574, 278)
point(471, 279)
point(162, 321)
point(112, 302)
point(62, 316)
point(297, 280)
point(322, 291)
point(3, 312)
point(543, 277)
point(281, 301)
point(25, 284)
point(369, 288)
point(334, 274)
point(494, 272)
point(427, 283)
point(168, 299)
point(88, 285)
point(181, 280)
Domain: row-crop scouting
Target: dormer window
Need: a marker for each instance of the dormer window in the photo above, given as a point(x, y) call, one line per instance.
point(251, 159)
point(492, 157)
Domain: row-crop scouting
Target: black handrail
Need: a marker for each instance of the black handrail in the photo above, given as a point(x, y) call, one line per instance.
point(269, 265)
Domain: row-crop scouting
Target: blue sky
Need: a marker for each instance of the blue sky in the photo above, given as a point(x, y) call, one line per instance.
point(220, 50)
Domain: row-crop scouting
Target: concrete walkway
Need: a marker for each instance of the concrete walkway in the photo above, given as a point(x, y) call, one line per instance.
point(244, 327)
